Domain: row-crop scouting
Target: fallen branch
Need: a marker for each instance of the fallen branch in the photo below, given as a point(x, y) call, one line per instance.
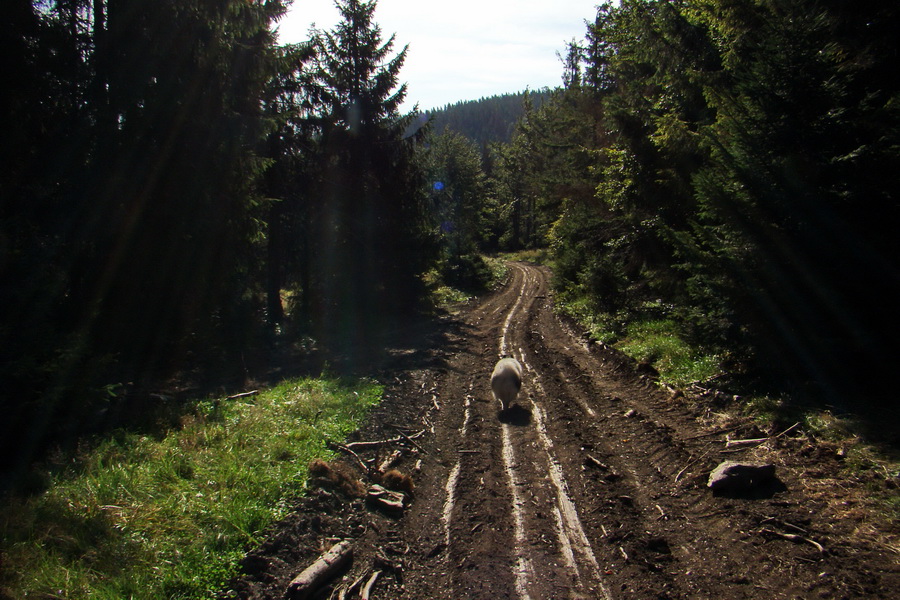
point(793, 537)
point(784, 524)
point(378, 443)
point(745, 443)
point(367, 589)
point(323, 569)
point(343, 448)
point(689, 463)
point(410, 440)
point(715, 432)
point(596, 462)
point(388, 462)
point(243, 394)
point(794, 426)
point(737, 445)
point(350, 591)
point(373, 443)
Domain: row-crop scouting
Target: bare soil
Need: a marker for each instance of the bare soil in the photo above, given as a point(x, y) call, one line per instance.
point(593, 486)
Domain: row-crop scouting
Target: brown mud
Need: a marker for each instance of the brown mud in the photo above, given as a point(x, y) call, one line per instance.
point(592, 486)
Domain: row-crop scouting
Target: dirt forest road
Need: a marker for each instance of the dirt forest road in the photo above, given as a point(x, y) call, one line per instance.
point(594, 487)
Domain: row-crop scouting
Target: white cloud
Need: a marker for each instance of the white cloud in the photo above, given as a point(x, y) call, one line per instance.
point(466, 49)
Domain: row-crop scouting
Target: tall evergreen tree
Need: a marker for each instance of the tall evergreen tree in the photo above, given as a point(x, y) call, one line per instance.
point(459, 192)
point(290, 183)
point(127, 205)
point(741, 165)
point(795, 199)
point(184, 82)
point(372, 243)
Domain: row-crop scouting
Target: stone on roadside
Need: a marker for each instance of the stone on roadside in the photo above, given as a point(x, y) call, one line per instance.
point(737, 477)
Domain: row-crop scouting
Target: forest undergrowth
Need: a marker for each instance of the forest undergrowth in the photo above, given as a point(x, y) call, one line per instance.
point(866, 441)
point(170, 516)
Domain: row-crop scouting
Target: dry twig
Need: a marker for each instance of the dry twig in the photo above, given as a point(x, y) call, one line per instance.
point(689, 463)
point(410, 440)
point(367, 589)
point(377, 443)
point(343, 448)
point(793, 537)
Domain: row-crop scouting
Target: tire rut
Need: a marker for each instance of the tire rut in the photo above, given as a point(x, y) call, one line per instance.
point(594, 487)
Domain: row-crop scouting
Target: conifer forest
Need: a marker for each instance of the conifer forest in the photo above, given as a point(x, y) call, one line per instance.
point(179, 191)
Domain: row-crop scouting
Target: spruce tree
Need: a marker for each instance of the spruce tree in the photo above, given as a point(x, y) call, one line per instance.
point(372, 243)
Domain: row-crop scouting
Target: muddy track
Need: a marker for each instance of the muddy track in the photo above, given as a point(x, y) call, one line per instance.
point(593, 487)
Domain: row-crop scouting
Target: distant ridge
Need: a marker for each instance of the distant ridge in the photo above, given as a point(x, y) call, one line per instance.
point(488, 120)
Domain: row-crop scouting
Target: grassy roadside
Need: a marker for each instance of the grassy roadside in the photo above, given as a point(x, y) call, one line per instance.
point(874, 465)
point(482, 273)
point(653, 340)
point(169, 518)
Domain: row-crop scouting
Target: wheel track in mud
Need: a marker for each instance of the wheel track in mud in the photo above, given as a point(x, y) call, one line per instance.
point(506, 499)
point(599, 494)
point(595, 490)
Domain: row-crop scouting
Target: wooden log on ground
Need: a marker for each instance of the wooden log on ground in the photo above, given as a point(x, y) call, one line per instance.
point(321, 571)
point(367, 589)
point(389, 462)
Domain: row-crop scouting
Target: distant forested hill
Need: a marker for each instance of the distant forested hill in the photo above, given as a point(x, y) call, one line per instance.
point(486, 120)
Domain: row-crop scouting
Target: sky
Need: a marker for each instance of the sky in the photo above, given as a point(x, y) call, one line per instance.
point(464, 49)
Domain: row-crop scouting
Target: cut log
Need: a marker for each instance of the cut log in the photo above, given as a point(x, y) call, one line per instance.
point(321, 571)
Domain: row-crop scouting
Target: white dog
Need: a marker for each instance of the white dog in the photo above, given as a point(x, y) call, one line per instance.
point(506, 381)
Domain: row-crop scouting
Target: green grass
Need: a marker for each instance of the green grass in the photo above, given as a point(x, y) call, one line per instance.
point(659, 342)
point(138, 517)
point(445, 296)
point(535, 255)
point(598, 326)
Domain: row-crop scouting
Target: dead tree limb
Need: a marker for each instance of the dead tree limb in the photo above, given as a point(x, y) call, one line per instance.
point(737, 444)
point(745, 443)
point(793, 537)
point(689, 463)
point(378, 443)
point(354, 587)
point(367, 589)
point(366, 469)
point(318, 573)
point(389, 462)
point(410, 440)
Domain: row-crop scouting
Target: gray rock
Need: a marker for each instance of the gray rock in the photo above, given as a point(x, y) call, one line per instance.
point(736, 477)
